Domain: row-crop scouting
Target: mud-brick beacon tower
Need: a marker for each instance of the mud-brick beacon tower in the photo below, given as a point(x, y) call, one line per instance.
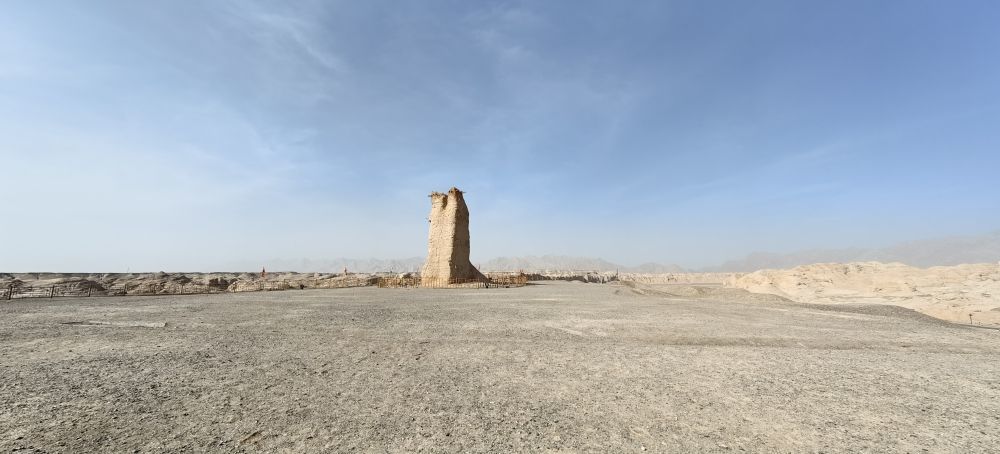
point(448, 245)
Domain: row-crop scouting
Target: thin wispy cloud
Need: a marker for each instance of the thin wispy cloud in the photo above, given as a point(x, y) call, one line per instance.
point(233, 131)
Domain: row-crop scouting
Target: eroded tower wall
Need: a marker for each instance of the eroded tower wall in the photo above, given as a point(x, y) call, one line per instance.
point(448, 244)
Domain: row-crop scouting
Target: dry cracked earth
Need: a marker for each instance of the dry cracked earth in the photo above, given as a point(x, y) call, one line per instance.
point(554, 366)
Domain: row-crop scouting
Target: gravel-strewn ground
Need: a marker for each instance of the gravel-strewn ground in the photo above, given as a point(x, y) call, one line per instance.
point(554, 366)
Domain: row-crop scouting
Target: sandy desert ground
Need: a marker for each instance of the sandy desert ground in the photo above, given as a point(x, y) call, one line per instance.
point(558, 366)
point(950, 293)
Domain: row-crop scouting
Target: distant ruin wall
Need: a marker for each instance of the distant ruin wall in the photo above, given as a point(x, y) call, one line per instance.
point(448, 244)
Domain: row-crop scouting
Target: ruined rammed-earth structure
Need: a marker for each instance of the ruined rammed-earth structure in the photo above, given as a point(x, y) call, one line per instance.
point(448, 245)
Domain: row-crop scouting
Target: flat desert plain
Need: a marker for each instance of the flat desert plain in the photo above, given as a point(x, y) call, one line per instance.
point(554, 366)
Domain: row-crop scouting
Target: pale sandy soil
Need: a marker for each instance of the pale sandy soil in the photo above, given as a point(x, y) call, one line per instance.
point(558, 366)
point(947, 292)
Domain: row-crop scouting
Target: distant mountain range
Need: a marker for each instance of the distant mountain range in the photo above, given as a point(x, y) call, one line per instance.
point(923, 253)
point(932, 252)
point(563, 263)
point(526, 263)
point(337, 265)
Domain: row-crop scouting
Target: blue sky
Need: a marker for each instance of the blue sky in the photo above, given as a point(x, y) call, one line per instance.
point(199, 135)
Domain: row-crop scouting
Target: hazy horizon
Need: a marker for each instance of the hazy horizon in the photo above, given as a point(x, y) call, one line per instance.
point(187, 136)
point(940, 251)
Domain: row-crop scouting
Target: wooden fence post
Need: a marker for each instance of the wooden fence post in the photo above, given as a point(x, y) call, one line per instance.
point(52, 291)
point(10, 292)
point(90, 290)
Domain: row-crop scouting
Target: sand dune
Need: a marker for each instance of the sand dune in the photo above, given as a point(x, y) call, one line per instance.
point(946, 292)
